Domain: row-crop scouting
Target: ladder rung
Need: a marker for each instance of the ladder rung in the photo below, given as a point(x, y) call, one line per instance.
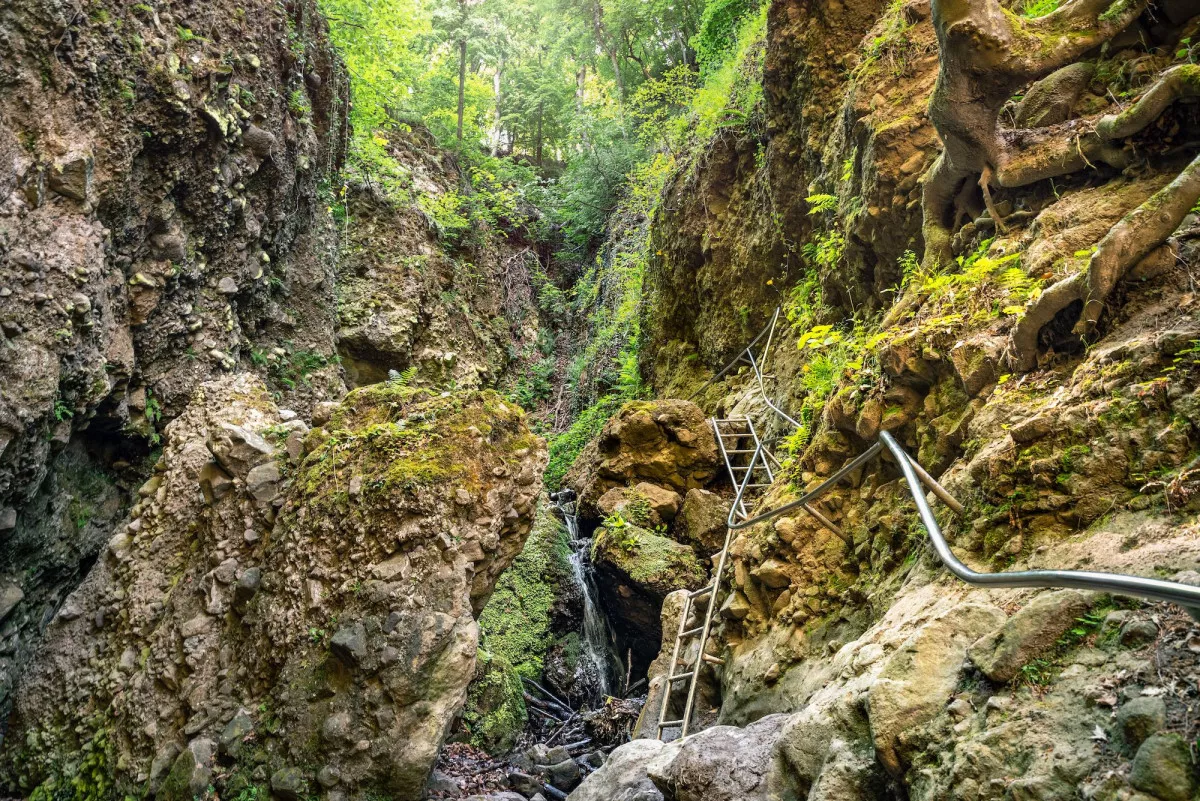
point(681, 676)
point(670, 724)
point(690, 632)
point(756, 486)
point(741, 450)
point(701, 592)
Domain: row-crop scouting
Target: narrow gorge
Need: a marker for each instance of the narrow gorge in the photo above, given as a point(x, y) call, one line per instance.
point(604, 400)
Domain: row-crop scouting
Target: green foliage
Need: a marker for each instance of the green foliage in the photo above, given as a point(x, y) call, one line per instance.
point(1032, 9)
point(516, 623)
point(533, 385)
point(821, 204)
point(718, 32)
point(826, 249)
point(565, 447)
point(62, 411)
point(402, 378)
point(495, 713)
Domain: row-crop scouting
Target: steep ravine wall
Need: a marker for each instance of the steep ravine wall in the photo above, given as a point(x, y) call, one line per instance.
point(178, 228)
point(860, 669)
point(160, 226)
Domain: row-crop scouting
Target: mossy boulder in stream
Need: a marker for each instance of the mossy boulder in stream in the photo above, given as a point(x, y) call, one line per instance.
point(636, 570)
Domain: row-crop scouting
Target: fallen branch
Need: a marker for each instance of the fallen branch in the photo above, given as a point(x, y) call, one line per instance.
point(561, 729)
point(549, 695)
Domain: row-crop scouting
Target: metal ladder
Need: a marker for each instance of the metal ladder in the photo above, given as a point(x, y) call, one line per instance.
point(754, 475)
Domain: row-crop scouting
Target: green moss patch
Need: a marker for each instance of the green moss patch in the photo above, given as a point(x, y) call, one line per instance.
point(516, 622)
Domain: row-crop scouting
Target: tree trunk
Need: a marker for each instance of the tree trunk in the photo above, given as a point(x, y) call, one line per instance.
point(497, 125)
point(462, 84)
point(602, 40)
point(538, 147)
point(580, 84)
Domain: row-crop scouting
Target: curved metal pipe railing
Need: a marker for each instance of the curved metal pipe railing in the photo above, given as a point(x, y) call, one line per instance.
point(916, 476)
point(1154, 589)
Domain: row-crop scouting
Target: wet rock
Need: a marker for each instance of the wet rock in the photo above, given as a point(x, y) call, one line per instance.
point(523, 783)
point(1163, 768)
point(227, 286)
point(1140, 718)
point(565, 775)
point(637, 569)
point(1028, 633)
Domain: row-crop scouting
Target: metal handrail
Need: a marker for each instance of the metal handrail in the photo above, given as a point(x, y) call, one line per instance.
point(1154, 589)
point(915, 476)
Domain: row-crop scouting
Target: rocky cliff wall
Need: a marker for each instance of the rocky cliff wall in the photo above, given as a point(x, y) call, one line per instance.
point(287, 609)
point(160, 225)
point(855, 662)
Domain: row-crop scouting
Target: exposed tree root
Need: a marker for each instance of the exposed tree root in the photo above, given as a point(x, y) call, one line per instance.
point(986, 54)
point(1138, 233)
point(1174, 84)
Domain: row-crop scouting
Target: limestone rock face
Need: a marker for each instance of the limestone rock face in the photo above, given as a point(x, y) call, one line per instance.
point(334, 621)
point(668, 443)
point(702, 520)
point(623, 776)
point(1028, 633)
point(917, 681)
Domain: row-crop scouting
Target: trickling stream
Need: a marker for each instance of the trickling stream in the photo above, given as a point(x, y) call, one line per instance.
point(598, 660)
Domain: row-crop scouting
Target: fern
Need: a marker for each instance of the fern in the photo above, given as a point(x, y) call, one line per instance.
point(821, 204)
point(402, 378)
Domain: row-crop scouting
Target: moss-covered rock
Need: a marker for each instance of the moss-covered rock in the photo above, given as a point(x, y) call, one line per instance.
point(495, 712)
point(637, 570)
point(337, 620)
point(668, 443)
point(532, 597)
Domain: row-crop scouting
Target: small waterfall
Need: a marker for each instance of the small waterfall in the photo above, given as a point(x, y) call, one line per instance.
point(597, 657)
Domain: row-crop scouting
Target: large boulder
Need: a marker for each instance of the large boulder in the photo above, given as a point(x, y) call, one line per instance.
point(703, 520)
point(623, 776)
point(667, 443)
point(637, 569)
point(1028, 633)
point(335, 621)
